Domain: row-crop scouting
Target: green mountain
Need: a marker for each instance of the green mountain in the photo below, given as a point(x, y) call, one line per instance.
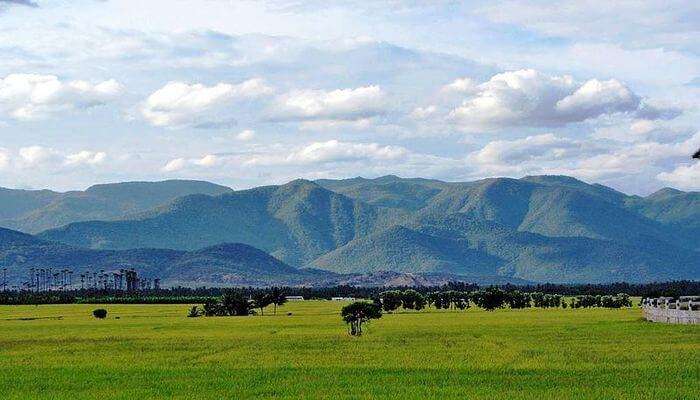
point(226, 264)
point(296, 223)
point(538, 228)
point(35, 211)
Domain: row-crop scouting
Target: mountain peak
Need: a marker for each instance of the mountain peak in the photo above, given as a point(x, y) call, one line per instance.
point(665, 192)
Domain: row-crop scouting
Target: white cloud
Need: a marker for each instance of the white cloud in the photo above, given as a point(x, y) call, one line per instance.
point(179, 104)
point(640, 130)
point(4, 158)
point(530, 98)
point(176, 164)
point(331, 151)
point(546, 146)
point(33, 96)
point(32, 156)
point(86, 157)
point(684, 176)
point(179, 164)
point(461, 85)
point(423, 112)
point(340, 104)
point(245, 135)
point(208, 160)
point(595, 98)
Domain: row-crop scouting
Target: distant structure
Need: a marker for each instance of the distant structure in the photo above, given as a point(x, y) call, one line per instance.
point(342, 298)
point(294, 298)
point(685, 310)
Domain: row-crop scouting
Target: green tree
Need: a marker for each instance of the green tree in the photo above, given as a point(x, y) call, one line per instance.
point(261, 299)
point(490, 299)
point(278, 298)
point(358, 313)
point(391, 300)
point(234, 303)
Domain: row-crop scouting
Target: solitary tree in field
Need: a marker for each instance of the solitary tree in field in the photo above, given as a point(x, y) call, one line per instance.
point(358, 313)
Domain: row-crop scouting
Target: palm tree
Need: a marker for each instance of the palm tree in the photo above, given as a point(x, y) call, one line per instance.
point(278, 297)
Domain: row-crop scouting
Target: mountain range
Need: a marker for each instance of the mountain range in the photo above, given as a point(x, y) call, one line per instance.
point(533, 229)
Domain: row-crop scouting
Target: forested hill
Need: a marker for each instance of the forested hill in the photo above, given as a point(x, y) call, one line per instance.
point(539, 228)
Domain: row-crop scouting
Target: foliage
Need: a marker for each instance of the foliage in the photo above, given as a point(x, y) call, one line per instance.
point(391, 300)
point(490, 299)
point(194, 312)
point(358, 313)
point(99, 313)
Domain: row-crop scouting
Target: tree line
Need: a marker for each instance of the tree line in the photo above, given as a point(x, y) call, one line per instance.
point(183, 295)
point(492, 298)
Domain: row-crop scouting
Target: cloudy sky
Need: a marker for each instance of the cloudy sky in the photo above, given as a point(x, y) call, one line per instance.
point(246, 93)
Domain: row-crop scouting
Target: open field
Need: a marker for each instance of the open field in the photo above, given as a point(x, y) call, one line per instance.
point(155, 352)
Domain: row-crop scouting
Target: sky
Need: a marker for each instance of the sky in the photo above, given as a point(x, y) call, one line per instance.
point(248, 93)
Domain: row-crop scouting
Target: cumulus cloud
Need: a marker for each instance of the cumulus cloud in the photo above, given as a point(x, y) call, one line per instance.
point(42, 157)
point(461, 85)
point(245, 135)
point(530, 98)
point(33, 96)
point(340, 104)
point(176, 164)
point(684, 176)
point(179, 164)
point(86, 157)
point(32, 156)
point(423, 112)
point(546, 146)
point(179, 104)
point(331, 151)
point(641, 130)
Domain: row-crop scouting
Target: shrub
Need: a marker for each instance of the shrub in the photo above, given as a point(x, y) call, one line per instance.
point(194, 312)
point(99, 313)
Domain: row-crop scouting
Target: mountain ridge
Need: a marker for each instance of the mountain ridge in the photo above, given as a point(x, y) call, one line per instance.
point(537, 228)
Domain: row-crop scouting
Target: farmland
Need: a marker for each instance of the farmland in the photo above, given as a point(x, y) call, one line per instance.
point(155, 351)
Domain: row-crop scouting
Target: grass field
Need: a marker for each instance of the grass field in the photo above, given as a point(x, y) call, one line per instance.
point(155, 352)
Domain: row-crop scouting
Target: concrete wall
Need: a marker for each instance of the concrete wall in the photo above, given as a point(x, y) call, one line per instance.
point(671, 316)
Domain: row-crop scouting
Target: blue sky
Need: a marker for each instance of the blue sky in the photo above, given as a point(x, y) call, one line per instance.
point(246, 93)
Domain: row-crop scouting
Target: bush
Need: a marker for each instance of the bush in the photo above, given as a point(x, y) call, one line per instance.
point(194, 312)
point(99, 313)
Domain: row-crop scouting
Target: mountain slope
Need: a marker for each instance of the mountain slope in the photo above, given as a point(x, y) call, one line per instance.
point(296, 223)
point(224, 264)
point(99, 202)
point(405, 250)
point(539, 228)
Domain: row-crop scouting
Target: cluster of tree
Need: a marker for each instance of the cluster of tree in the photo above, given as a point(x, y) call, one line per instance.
point(491, 299)
point(617, 301)
point(237, 302)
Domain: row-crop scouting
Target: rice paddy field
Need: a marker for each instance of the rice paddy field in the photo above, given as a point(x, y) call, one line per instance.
point(156, 352)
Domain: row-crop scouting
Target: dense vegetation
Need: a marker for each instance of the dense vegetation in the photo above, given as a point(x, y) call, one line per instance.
point(182, 295)
point(155, 352)
point(535, 229)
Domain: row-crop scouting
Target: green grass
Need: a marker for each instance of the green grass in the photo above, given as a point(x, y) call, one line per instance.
point(155, 352)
